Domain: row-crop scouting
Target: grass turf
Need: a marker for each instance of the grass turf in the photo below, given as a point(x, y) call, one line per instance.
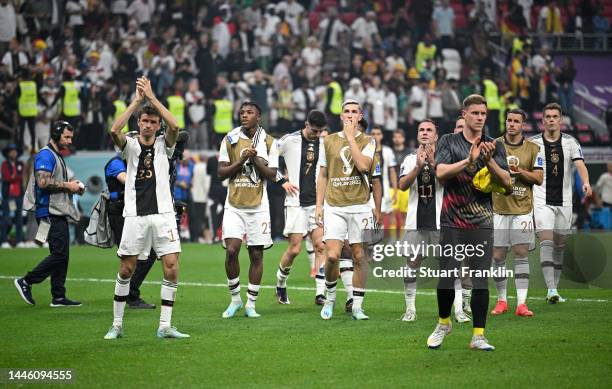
point(565, 345)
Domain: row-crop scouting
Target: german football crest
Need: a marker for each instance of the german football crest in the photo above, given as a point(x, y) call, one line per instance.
point(554, 156)
point(310, 154)
point(426, 176)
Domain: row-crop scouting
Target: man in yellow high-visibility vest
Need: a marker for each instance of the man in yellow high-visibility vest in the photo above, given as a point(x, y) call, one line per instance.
point(70, 95)
point(176, 104)
point(27, 96)
point(491, 95)
point(334, 96)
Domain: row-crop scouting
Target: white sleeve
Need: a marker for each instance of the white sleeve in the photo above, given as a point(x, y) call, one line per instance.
point(169, 150)
point(223, 154)
point(369, 149)
point(408, 165)
point(322, 159)
point(539, 161)
point(130, 148)
point(273, 155)
point(390, 158)
point(575, 150)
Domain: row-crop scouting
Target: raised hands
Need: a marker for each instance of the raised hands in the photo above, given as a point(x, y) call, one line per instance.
point(143, 87)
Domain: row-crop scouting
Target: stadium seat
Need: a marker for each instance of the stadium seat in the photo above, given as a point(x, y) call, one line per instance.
point(451, 61)
point(586, 138)
point(582, 127)
point(348, 17)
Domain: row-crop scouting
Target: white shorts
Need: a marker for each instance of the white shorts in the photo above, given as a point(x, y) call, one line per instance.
point(255, 225)
point(553, 218)
point(510, 230)
point(143, 233)
point(300, 220)
point(417, 241)
point(354, 227)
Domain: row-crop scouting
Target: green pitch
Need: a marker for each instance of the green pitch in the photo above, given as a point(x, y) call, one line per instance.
point(566, 345)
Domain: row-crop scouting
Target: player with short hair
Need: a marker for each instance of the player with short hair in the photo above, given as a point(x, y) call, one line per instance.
point(301, 199)
point(149, 209)
point(343, 186)
point(553, 199)
point(513, 214)
point(248, 157)
point(422, 224)
point(466, 218)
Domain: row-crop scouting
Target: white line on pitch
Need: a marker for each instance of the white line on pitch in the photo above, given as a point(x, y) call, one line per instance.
point(300, 288)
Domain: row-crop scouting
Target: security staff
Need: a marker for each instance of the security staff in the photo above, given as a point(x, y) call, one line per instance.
point(49, 194)
point(70, 95)
point(491, 94)
point(27, 96)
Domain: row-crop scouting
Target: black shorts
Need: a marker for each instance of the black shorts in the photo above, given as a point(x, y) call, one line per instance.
point(465, 253)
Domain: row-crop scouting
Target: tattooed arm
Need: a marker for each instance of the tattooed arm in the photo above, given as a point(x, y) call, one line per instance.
point(46, 181)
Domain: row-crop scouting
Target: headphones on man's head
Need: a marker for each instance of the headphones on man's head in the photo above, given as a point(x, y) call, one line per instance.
point(58, 128)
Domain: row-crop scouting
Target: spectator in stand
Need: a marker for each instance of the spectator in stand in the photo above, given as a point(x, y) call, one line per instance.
point(365, 31)
point(604, 187)
point(235, 60)
point(444, 22)
point(356, 92)
point(418, 106)
point(15, 60)
point(8, 25)
point(263, 44)
point(565, 77)
point(376, 97)
point(12, 195)
point(283, 103)
point(329, 29)
point(142, 11)
point(451, 105)
point(421, 13)
point(194, 98)
point(221, 35)
point(163, 66)
point(293, 12)
point(303, 102)
point(260, 90)
point(391, 112)
point(549, 21)
point(601, 26)
point(311, 57)
point(182, 186)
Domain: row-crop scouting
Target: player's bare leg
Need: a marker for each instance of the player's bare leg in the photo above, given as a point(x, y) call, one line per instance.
point(232, 270)
point(255, 274)
point(316, 236)
point(333, 248)
point(285, 265)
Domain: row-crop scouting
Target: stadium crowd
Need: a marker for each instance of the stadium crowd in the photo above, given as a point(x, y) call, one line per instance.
point(404, 61)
